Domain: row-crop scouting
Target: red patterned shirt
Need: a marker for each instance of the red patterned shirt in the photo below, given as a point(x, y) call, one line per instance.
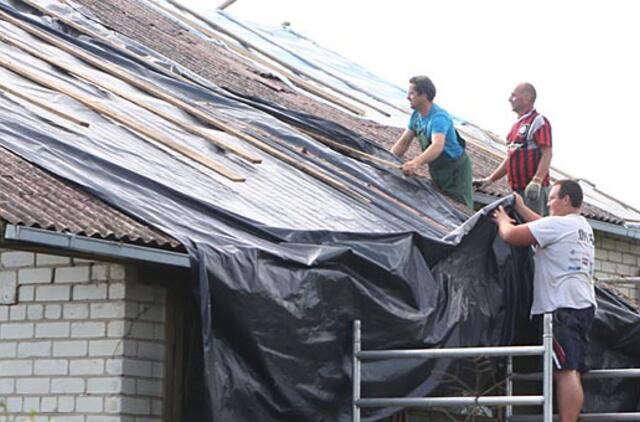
point(527, 135)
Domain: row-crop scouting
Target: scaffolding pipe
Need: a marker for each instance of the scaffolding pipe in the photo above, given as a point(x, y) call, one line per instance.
point(509, 386)
point(547, 368)
point(593, 374)
point(452, 401)
point(585, 417)
point(509, 400)
point(356, 371)
point(459, 352)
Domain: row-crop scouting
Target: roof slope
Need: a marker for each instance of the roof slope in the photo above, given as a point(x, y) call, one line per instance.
point(181, 41)
point(168, 40)
point(34, 198)
point(138, 21)
point(233, 158)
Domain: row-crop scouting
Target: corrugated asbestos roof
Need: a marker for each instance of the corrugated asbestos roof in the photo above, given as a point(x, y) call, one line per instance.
point(32, 197)
point(35, 198)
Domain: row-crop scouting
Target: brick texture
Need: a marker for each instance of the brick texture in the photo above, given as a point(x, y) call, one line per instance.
point(80, 340)
point(617, 258)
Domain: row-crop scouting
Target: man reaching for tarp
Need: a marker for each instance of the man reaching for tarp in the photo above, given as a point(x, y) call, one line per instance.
point(442, 147)
point(562, 282)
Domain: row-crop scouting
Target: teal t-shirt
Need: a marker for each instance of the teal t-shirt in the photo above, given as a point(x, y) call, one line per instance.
point(436, 121)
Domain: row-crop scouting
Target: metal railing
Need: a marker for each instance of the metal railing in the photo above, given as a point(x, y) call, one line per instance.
point(584, 417)
point(544, 350)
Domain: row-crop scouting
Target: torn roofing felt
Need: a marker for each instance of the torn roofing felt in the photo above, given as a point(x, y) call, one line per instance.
point(286, 259)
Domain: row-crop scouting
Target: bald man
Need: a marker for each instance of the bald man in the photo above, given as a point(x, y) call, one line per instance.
point(528, 152)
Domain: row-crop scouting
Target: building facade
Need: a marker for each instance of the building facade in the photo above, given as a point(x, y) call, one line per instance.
point(80, 341)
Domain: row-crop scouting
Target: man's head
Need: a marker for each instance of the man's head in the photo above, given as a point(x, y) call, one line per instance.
point(565, 198)
point(421, 92)
point(522, 98)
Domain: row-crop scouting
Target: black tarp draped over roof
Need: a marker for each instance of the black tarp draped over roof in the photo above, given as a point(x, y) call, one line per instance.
point(283, 263)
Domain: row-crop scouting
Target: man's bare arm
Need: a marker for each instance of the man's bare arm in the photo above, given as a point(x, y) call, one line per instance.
point(428, 155)
point(433, 151)
point(544, 164)
point(514, 235)
point(402, 144)
point(499, 172)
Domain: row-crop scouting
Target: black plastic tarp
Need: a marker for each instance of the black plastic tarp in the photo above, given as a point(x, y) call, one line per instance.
point(284, 263)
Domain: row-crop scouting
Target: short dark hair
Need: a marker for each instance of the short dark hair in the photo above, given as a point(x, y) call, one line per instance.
point(571, 188)
point(423, 85)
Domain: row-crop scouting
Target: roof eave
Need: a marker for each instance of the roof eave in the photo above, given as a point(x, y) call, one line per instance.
point(83, 245)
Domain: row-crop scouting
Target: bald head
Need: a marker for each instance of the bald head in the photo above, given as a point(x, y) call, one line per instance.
point(528, 90)
point(522, 98)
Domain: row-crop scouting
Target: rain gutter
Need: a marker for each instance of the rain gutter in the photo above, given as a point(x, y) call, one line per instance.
point(70, 242)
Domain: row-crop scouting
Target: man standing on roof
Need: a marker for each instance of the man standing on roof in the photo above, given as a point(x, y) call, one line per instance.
point(528, 152)
point(442, 147)
point(562, 282)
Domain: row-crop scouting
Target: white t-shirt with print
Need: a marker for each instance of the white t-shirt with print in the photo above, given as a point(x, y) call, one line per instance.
point(564, 259)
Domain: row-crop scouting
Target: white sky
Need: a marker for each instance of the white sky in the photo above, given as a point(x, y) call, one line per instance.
point(582, 56)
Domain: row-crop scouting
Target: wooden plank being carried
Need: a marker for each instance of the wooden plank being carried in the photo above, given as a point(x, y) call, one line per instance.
point(161, 93)
point(295, 80)
point(42, 105)
point(132, 98)
point(121, 118)
point(281, 62)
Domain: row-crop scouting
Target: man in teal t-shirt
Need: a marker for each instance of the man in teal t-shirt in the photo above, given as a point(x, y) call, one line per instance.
point(442, 148)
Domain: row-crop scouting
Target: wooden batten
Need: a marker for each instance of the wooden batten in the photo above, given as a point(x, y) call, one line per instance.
point(226, 4)
point(43, 106)
point(118, 117)
point(126, 95)
point(347, 150)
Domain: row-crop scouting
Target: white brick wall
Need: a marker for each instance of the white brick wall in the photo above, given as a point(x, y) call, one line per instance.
point(618, 257)
point(80, 341)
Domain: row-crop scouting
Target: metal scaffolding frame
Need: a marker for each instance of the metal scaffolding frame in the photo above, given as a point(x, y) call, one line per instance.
point(544, 350)
point(584, 417)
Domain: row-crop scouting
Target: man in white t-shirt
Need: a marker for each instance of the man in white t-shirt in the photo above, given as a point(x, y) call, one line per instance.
point(562, 282)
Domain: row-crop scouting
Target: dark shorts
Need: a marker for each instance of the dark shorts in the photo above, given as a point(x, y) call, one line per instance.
point(571, 330)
